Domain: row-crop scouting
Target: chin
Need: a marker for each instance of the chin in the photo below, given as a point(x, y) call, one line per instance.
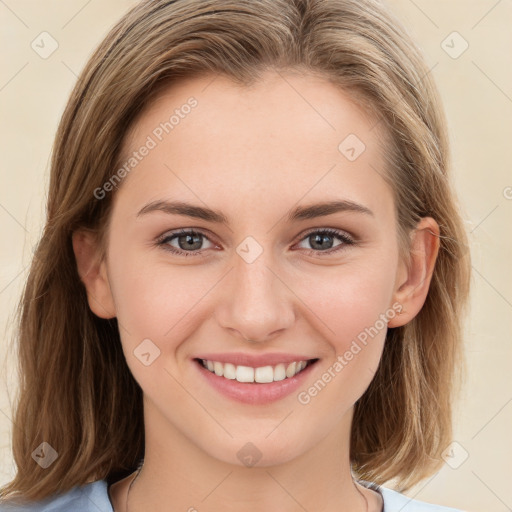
point(257, 451)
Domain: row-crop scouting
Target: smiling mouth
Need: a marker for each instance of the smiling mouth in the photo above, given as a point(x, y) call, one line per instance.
point(260, 375)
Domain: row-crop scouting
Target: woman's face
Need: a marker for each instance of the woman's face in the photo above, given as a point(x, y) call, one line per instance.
point(259, 283)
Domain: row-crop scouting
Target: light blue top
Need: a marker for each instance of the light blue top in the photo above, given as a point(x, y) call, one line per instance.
point(93, 497)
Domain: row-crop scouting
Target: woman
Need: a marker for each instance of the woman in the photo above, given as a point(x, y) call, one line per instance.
point(305, 355)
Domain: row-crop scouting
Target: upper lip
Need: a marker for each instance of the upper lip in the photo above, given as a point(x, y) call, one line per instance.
point(254, 361)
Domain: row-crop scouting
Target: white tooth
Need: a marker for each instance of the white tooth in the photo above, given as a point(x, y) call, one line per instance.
point(279, 372)
point(290, 371)
point(264, 374)
point(219, 368)
point(229, 371)
point(244, 374)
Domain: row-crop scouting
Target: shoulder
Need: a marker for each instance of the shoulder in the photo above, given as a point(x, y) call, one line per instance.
point(395, 502)
point(92, 497)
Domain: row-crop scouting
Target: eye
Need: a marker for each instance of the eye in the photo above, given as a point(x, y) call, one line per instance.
point(188, 241)
point(322, 240)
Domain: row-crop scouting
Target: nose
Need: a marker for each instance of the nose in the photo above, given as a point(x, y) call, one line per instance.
point(256, 302)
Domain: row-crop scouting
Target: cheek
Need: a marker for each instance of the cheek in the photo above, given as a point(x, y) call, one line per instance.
point(350, 298)
point(155, 300)
point(161, 304)
point(352, 307)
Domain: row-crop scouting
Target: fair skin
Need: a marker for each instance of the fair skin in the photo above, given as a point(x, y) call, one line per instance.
point(253, 154)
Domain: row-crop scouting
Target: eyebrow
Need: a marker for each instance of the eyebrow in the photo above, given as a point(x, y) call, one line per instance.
point(299, 213)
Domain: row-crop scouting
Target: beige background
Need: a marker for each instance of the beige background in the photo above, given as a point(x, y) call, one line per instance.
point(477, 91)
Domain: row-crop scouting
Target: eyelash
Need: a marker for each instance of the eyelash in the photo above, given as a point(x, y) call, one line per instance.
point(164, 241)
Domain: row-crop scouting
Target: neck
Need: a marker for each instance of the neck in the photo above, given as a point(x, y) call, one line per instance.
point(176, 472)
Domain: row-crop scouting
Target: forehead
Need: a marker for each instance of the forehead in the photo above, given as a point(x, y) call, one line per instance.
point(284, 137)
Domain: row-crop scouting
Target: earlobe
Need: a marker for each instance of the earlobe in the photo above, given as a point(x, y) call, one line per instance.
point(411, 291)
point(92, 270)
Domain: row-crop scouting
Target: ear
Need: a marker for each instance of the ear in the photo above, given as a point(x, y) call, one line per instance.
point(92, 270)
point(413, 280)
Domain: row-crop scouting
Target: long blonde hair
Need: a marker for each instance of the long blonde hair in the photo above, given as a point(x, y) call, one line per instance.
point(75, 390)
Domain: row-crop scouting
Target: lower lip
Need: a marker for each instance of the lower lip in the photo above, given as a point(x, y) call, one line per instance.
point(255, 393)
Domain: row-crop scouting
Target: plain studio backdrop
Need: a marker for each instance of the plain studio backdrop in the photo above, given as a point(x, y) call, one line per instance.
point(467, 48)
